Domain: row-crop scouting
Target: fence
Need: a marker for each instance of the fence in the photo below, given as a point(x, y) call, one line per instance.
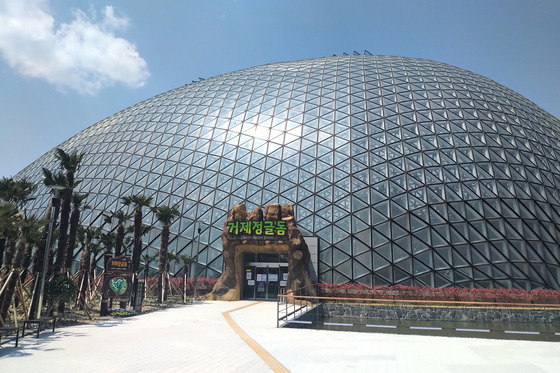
point(291, 307)
point(306, 310)
point(203, 285)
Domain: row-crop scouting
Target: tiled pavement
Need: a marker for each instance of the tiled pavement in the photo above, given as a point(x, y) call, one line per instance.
point(197, 338)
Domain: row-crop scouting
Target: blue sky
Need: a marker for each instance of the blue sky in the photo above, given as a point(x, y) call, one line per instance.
point(67, 65)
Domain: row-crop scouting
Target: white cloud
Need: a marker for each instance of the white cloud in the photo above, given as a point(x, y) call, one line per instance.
point(83, 55)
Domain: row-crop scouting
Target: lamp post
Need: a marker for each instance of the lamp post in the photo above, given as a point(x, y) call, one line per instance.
point(56, 198)
point(196, 259)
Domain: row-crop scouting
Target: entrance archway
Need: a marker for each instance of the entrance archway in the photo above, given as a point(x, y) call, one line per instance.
point(284, 238)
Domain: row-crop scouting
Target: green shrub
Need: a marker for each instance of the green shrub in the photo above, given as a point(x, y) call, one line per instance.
point(60, 288)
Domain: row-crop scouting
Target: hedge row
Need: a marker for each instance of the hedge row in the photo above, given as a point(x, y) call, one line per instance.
point(540, 296)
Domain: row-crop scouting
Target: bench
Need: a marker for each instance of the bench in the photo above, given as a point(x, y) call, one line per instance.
point(40, 321)
point(9, 331)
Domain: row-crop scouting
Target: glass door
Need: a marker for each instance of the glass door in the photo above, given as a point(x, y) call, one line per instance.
point(264, 280)
point(262, 283)
point(249, 282)
point(273, 288)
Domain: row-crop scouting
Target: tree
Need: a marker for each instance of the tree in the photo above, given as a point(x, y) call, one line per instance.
point(9, 284)
point(17, 192)
point(148, 259)
point(165, 215)
point(27, 235)
point(10, 220)
point(87, 238)
point(121, 217)
point(139, 201)
point(70, 162)
point(77, 201)
point(95, 250)
point(186, 260)
point(49, 179)
point(107, 241)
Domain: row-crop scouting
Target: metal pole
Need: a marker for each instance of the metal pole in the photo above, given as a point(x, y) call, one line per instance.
point(196, 262)
point(46, 254)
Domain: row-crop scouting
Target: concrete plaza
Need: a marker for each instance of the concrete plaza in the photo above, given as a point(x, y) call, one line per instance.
point(242, 337)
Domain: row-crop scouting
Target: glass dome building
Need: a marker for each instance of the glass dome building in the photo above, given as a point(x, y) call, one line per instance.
point(408, 171)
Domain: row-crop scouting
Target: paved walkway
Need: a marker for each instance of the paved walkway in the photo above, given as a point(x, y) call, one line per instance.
point(199, 338)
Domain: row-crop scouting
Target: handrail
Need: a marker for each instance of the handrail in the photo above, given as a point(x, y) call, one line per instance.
point(439, 302)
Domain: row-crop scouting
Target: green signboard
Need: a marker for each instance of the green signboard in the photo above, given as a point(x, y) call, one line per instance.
point(117, 285)
point(258, 230)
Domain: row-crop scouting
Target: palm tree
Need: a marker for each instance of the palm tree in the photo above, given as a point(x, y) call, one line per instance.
point(139, 201)
point(95, 250)
point(49, 179)
point(86, 237)
point(70, 162)
point(18, 192)
point(28, 235)
point(148, 259)
point(107, 240)
point(9, 284)
point(121, 217)
point(77, 200)
point(128, 241)
point(186, 260)
point(165, 215)
point(10, 220)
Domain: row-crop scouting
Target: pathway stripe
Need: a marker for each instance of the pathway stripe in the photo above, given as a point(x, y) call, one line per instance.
point(337, 324)
point(425, 328)
point(520, 332)
point(473, 330)
point(274, 364)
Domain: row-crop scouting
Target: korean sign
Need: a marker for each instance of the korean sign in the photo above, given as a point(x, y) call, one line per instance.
point(258, 230)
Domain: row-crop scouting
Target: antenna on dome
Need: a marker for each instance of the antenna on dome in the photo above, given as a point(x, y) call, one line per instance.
point(344, 54)
point(367, 52)
point(356, 53)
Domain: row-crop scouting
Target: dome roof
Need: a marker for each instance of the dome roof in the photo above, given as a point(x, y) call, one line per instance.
point(408, 171)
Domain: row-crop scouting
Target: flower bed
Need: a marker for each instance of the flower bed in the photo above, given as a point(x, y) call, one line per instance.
point(540, 296)
point(121, 312)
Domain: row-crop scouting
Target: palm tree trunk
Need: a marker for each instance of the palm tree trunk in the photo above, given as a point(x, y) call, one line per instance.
point(9, 255)
point(162, 269)
point(119, 241)
point(71, 242)
point(63, 231)
point(9, 291)
point(185, 278)
point(39, 255)
point(2, 248)
point(26, 262)
point(136, 252)
point(83, 276)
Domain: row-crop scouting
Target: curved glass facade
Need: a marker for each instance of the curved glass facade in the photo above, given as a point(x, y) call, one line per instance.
point(408, 171)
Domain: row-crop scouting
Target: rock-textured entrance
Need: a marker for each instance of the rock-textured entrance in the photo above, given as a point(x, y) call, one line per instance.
point(286, 238)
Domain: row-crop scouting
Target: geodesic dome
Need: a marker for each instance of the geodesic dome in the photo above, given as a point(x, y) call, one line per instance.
point(408, 171)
